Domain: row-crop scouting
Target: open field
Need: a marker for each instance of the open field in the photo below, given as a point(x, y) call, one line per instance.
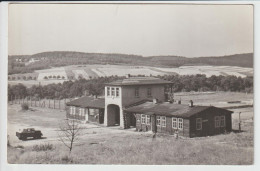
point(93, 71)
point(218, 99)
point(107, 145)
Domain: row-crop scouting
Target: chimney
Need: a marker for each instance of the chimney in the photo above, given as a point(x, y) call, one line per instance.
point(128, 75)
point(191, 103)
point(155, 101)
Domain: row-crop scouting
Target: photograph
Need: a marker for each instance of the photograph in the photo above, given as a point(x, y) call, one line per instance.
point(130, 84)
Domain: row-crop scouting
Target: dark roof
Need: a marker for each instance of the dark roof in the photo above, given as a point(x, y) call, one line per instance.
point(168, 109)
point(139, 81)
point(89, 102)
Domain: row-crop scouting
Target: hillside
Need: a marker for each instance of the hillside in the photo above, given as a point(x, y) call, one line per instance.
point(64, 58)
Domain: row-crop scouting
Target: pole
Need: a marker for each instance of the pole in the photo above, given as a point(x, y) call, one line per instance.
point(239, 124)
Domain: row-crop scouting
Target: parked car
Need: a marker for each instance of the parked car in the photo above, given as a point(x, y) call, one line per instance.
point(29, 132)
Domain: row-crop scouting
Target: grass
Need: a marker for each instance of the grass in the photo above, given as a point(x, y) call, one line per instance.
point(140, 149)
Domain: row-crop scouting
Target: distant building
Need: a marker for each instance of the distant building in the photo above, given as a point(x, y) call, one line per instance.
point(123, 93)
point(184, 120)
point(89, 109)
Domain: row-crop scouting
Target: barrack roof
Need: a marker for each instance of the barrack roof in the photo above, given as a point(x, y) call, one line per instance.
point(88, 102)
point(138, 81)
point(169, 109)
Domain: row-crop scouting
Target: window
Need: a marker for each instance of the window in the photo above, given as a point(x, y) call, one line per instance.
point(217, 121)
point(108, 91)
point(198, 123)
point(158, 121)
point(71, 110)
point(143, 119)
point(174, 123)
point(222, 121)
point(117, 92)
point(148, 120)
point(163, 118)
point(113, 91)
point(91, 112)
point(81, 111)
point(149, 92)
point(136, 92)
point(180, 123)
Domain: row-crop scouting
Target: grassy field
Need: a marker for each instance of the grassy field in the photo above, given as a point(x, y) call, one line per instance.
point(110, 145)
point(93, 71)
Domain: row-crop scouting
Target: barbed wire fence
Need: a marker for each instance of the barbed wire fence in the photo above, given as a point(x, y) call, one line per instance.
point(37, 102)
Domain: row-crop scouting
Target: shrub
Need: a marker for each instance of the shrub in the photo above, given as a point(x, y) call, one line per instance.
point(24, 106)
point(43, 147)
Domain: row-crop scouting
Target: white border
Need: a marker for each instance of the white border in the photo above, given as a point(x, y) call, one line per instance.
point(3, 101)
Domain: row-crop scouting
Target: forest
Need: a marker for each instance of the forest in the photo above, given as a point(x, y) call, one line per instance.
point(95, 86)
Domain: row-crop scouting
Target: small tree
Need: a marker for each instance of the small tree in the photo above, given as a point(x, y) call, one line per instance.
point(69, 132)
point(50, 76)
point(45, 77)
point(58, 77)
point(63, 77)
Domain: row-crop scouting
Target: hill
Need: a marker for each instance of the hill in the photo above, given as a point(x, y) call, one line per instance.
point(64, 58)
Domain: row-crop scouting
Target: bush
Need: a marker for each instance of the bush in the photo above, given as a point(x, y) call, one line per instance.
point(24, 106)
point(42, 147)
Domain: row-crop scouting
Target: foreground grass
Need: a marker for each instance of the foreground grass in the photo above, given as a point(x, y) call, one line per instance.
point(231, 149)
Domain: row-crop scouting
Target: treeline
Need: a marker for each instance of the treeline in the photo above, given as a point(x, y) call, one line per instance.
point(200, 82)
point(81, 87)
point(67, 89)
point(64, 58)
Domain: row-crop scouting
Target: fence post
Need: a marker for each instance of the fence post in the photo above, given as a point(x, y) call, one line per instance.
point(54, 104)
point(49, 103)
point(59, 103)
point(35, 103)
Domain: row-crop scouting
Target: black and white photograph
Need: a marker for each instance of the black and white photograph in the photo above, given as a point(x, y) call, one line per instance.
point(130, 84)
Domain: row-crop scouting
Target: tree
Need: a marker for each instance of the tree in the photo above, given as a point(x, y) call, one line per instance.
point(45, 77)
point(58, 77)
point(69, 132)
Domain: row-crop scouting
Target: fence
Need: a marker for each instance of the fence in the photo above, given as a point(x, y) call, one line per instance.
point(43, 103)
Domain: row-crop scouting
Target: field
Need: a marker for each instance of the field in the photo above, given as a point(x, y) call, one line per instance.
point(93, 71)
point(112, 145)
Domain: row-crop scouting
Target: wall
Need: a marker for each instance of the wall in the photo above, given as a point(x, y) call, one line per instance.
point(76, 116)
point(160, 129)
point(116, 101)
point(129, 93)
point(208, 123)
point(91, 115)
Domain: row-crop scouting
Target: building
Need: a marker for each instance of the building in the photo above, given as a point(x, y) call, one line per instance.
point(131, 91)
point(182, 119)
point(144, 103)
point(87, 109)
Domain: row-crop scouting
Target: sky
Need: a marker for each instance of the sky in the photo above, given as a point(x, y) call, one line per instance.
point(148, 30)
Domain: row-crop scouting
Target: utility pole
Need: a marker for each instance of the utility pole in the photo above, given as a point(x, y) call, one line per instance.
point(239, 124)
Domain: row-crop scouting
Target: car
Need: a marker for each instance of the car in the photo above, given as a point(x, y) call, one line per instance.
point(29, 132)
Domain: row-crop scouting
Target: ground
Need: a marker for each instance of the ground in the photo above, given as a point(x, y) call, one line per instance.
point(111, 145)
